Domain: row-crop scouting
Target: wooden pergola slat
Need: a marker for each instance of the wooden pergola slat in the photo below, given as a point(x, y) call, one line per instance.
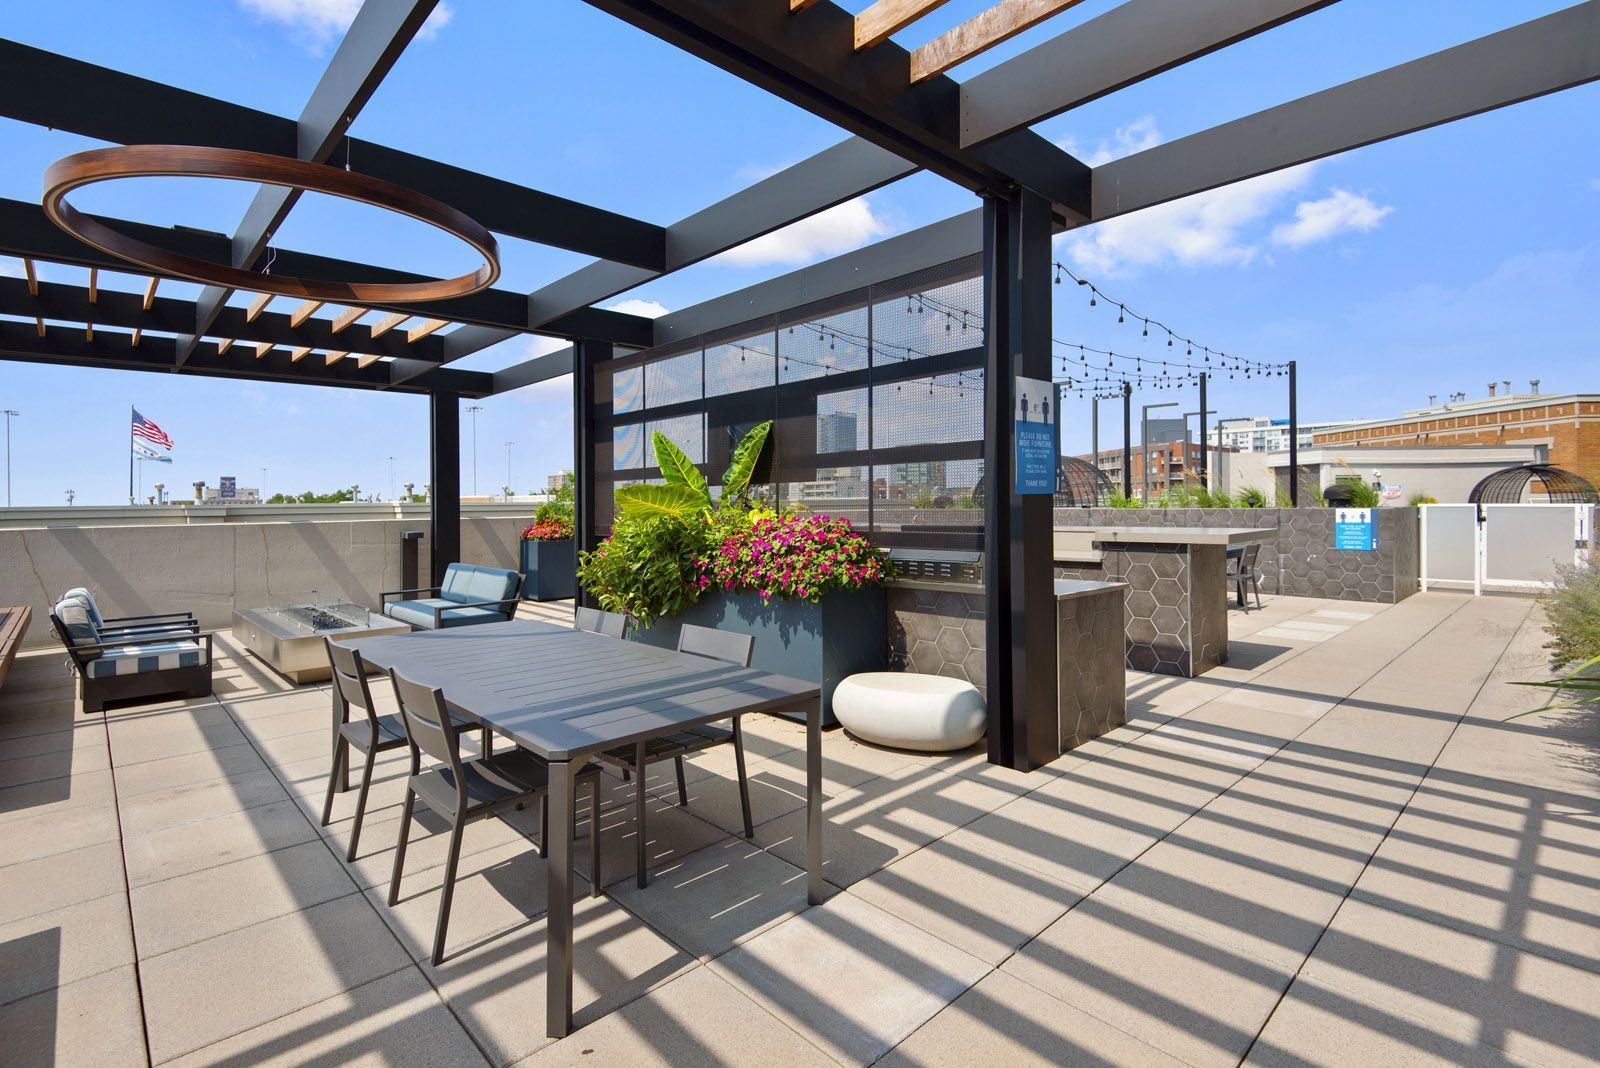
point(224, 345)
point(150, 291)
point(262, 348)
point(296, 355)
point(33, 279)
point(424, 328)
point(388, 323)
point(980, 33)
point(304, 312)
point(888, 17)
point(334, 357)
point(258, 306)
point(346, 317)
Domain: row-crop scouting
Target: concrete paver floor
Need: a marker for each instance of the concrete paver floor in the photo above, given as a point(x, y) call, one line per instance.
point(1333, 850)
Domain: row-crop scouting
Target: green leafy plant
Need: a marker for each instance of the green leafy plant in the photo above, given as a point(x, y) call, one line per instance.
point(553, 520)
point(1420, 498)
point(1118, 499)
point(686, 493)
point(1583, 681)
point(1252, 497)
point(1572, 613)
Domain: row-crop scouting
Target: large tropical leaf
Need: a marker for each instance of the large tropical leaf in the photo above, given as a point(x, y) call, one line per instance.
point(743, 463)
point(645, 500)
point(677, 468)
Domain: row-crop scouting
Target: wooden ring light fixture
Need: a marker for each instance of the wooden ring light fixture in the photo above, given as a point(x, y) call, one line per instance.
point(189, 161)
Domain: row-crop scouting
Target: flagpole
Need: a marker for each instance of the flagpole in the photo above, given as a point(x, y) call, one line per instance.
point(130, 454)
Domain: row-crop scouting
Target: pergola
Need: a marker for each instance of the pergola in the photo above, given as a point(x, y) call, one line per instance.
point(904, 114)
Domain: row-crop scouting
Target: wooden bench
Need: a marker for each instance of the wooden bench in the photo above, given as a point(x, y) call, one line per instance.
point(13, 625)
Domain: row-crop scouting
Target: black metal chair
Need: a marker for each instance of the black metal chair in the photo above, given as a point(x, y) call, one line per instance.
point(611, 624)
point(463, 791)
point(1245, 573)
point(634, 760)
point(377, 734)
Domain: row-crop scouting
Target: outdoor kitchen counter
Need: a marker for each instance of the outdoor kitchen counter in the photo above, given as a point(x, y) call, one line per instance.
point(1175, 615)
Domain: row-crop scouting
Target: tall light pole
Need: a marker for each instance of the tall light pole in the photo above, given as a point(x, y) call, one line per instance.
point(262, 492)
point(508, 467)
point(70, 495)
point(1144, 446)
point(391, 478)
point(8, 414)
point(473, 410)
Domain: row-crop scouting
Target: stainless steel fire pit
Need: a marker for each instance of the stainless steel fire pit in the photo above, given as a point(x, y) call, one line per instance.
point(287, 635)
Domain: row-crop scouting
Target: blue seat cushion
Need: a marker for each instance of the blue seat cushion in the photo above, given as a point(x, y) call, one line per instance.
point(76, 620)
point(94, 610)
point(152, 656)
point(473, 583)
point(420, 613)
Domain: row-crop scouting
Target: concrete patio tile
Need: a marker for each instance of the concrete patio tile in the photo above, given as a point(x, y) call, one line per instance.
point(56, 738)
point(1160, 983)
point(851, 978)
point(978, 903)
point(397, 1021)
point(45, 797)
point(271, 969)
point(497, 988)
point(497, 891)
point(868, 828)
point(186, 770)
point(715, 898)
point(55, 948)
point(57, 755)
point(191, 847)
point(254, 707)
point(159, 810)
point(1318, 792)
point(192, 908)
point(1003, 1020)
point(34, 833)
point(312, 742)
point(973, 763)
point(1472, 991)
point(176, 739)
point(845, 763)
point(697, 1019)
point(284, 723)
point(775, 789)
point(92, 1023)
point(52, 882)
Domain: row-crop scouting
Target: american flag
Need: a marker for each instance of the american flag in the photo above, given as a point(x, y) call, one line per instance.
point(144, 428)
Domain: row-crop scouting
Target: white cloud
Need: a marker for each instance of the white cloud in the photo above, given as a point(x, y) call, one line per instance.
point(1138, 135)
point(828, 233)
point(1318, 220)
point(1207, 228)
point(321, 21)
point(650, 309)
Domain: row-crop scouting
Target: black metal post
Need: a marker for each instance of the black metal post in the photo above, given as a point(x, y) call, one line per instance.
point(1019, 627)
point(1127, 439)
point(1094, 430)
point(585, 354)
point(444, 493)
point(1205, 472)
point(1294, 440)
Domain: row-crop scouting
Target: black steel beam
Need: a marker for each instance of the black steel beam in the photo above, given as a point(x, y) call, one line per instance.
point(172, 315)
point(1541, 56)
point(1133, 41)
point(585, 468)
point(809, 59)
point(60, 93)
point(444, 486)
point(551, 365)
point(114, 350)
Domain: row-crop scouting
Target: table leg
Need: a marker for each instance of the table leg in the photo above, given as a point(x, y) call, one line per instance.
point(814, 803)
point(558, 943)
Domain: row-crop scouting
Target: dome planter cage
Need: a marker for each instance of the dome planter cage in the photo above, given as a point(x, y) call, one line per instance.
point(1514, 485)
point(1079, 484)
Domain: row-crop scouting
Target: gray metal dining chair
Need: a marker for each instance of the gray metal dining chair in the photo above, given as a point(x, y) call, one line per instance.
point(371, 735)
point(464, 791)
point(634, 760)
point(1247, 574)
point(611, 624)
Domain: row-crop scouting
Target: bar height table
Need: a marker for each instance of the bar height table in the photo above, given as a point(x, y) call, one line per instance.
point(567, 694)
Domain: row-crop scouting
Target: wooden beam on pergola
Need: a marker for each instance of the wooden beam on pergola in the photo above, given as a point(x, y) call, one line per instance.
point(262, 348)
point(303, 312)
point(888, 17)
point(258, 306)
point(33, 279)
point(296, 355)
point(346, 317)
point(224, 345)
point(150, 291)
point(980, 33)
point(424, 328)
point(333, 358)
point(388, 323)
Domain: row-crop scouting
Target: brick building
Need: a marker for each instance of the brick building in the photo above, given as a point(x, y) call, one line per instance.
point(1566, 425)
point(1170, 462)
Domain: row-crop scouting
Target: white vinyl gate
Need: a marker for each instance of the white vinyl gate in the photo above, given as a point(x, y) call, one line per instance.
point(1502, 546)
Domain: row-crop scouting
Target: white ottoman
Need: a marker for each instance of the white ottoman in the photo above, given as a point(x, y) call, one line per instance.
point(904, 710)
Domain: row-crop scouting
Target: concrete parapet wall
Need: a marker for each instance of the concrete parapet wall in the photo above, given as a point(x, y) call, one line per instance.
point(211, 569)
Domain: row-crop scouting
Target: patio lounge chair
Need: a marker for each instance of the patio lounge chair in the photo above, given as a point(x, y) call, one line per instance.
point(117, 665)
point(466, 790)
point(469, 594)
point(714, 645)
point(120, 626)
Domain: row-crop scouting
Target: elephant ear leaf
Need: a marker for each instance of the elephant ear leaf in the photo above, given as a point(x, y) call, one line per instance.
point(646, 501)
point(677, 468)
point(736, 479)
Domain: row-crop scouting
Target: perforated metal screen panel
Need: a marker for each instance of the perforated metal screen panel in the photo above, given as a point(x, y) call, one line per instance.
point(876, 398)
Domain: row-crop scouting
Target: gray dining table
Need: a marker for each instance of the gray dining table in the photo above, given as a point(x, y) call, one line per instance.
point(565, 695)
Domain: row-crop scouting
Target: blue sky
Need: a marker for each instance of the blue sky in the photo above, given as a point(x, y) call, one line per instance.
point(1425, 265)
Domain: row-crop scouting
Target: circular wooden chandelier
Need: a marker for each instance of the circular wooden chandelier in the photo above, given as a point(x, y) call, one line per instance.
point(190, 161)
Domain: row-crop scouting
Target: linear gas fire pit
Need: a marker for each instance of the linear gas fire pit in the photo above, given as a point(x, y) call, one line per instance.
point(287, 636)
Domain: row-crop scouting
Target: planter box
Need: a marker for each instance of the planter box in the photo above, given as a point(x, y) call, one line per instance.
point(821, 643)
point(549, 570)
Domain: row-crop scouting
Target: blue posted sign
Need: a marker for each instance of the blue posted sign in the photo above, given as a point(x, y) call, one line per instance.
point(1354, 530)
point(1035, 436)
